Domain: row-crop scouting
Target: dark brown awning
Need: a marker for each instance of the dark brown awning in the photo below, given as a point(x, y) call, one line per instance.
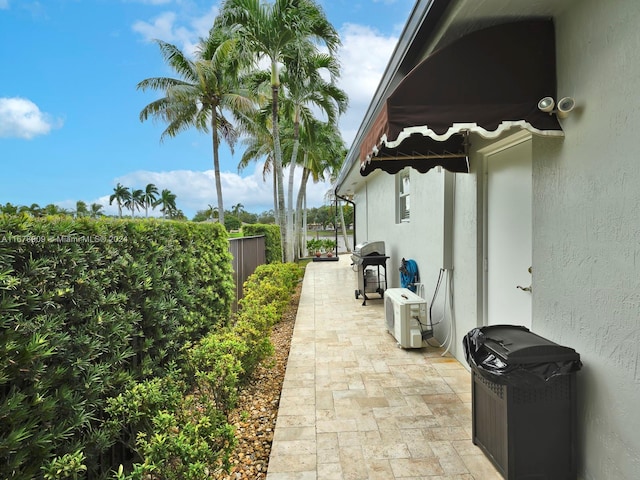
point(486, 82)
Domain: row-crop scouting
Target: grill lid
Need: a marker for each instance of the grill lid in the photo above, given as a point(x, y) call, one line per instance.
point(369, 248)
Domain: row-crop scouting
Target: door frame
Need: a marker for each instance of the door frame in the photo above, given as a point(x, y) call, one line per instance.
point(484, 153)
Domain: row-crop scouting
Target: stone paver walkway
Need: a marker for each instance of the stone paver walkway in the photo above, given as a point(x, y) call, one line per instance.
point(356, 406)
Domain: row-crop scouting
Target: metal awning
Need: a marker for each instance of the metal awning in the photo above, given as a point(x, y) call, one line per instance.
point(486, 82)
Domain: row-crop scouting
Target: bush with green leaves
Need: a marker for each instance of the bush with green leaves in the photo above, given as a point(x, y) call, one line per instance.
point(185, 434)
point(314, 245)
point(273, 243)
point(176, 432)
point(87, 309)
point(225, 359)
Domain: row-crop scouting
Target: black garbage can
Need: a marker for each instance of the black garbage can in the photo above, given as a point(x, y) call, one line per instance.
point(523, 402)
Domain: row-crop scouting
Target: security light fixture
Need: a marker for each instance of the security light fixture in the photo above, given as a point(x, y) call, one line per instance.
point(565, 105)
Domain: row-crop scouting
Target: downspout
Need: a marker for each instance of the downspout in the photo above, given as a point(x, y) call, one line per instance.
point(354, 215)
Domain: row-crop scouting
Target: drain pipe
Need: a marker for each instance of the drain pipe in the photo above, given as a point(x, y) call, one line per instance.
point(354, 215)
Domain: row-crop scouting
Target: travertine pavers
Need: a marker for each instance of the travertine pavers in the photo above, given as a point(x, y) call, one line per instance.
point(355, 406)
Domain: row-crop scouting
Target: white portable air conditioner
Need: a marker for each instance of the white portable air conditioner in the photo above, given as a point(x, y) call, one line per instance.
point(406, 315)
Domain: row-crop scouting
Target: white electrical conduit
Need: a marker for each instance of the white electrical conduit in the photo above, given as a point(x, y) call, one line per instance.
point(449, 297)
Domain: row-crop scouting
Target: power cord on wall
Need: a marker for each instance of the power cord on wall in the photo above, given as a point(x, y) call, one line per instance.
point(447, 301)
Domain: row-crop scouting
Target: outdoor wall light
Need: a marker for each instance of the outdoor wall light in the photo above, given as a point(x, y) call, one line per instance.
point(565, 105)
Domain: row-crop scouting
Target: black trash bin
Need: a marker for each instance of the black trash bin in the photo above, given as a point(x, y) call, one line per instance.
point(523, 402)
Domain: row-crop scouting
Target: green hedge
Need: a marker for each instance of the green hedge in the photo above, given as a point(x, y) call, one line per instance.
point(88, 308)
point(272, 241)
point(187, 436)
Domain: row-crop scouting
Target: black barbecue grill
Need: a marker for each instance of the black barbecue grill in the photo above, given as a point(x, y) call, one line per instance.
point(368, 258)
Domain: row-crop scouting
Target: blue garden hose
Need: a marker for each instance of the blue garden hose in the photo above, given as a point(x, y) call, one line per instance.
point(409, 275)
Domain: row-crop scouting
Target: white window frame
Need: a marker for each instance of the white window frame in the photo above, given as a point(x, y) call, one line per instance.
point(403, 196)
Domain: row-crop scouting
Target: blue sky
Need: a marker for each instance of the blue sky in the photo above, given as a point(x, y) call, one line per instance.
point(69, 108)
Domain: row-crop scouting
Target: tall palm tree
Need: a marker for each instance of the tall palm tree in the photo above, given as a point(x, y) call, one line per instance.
point(275, 31)
point(51, 209)
point(137, 200)
point(95, 210)
point(150, 196)
point(211, 212)
point(122, 196)
point(323, 151)
point(168, 202)
point(237, 209)
point(81, 209)
point(207, 88)
point(36, 210)
point(305, 87)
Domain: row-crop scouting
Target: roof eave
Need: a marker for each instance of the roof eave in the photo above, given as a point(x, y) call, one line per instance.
point(421, 29)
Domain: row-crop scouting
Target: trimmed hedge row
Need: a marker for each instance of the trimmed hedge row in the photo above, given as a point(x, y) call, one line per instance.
point(187, 436)
point(87, 309)
point(273, 243)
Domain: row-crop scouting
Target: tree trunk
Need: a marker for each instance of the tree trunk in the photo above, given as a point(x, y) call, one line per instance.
point(275, 195)
point(277, 151)
point(344, 228)
point(301, 243)
point(216, 164)
point(290, 228)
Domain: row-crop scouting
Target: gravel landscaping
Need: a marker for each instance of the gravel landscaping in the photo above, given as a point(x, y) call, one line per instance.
point(257, 411)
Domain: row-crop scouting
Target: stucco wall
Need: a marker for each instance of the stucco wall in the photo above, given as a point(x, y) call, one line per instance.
point(466, 255)
point(422, 240)
point(419, 239)
point(586, 231)
point(586, 215)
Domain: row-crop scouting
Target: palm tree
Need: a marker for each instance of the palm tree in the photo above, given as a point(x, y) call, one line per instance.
point(150, 196)
point(51, 209)
point(207, 88)
point(168, 202)
point(95, 210)
point(81, 209)
point(133, 201)
point(278, 31)
point(137, 201)
point(305, 87)
point(211, 212)
point(35, 210)
point(237, 209)
point(122, 196)
point(323, 151)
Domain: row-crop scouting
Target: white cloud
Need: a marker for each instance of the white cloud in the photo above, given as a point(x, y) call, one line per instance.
point(363, 58)
point(195, 190)
point(172, 28)
point(21, 118)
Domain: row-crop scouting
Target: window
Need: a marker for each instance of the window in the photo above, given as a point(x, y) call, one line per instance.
point(403, 195)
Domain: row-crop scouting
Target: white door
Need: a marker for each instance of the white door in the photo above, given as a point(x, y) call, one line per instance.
point(508, 234)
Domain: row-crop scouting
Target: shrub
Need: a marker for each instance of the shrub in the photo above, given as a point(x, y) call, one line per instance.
point(88, 308)
point(186, 435)
point(272, 241)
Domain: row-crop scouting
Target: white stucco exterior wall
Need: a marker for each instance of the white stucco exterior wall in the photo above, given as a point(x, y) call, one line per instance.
point(586, 231)
point(467, 255)
point(419, 239)
point(586, 224)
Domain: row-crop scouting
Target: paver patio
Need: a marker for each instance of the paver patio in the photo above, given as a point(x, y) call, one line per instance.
point(356, 406)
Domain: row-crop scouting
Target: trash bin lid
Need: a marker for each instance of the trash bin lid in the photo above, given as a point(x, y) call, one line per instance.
point(515, 344)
